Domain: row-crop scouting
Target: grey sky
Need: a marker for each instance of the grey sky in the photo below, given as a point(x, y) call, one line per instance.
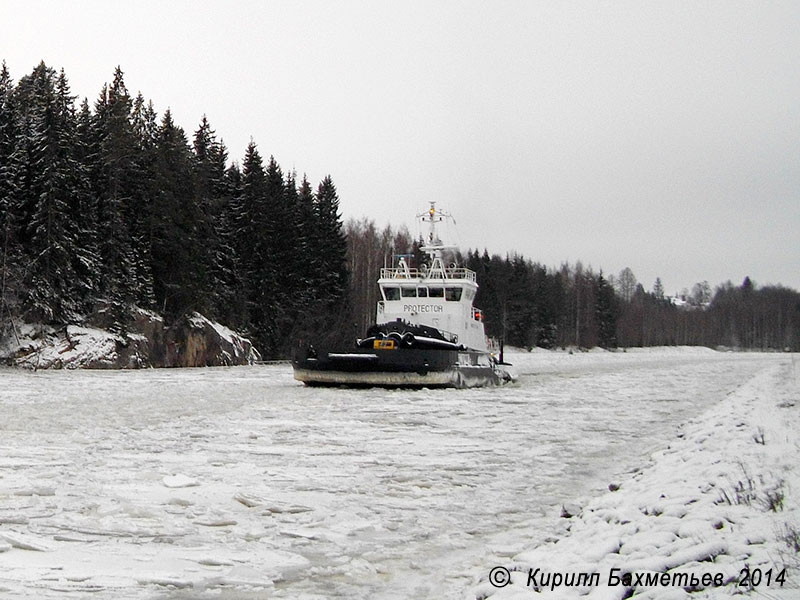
point(661, 136)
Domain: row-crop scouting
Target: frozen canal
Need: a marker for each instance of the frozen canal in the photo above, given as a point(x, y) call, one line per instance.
point(240, 483)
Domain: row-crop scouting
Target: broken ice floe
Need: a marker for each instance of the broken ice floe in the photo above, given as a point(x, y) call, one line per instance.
point(24, 541)
point(179, 481)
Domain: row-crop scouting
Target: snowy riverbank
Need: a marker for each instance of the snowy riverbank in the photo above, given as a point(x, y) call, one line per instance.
point(717, 513)
point(192, 341)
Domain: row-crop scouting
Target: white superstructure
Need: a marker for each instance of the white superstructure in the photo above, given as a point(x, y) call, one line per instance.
point(434, 295)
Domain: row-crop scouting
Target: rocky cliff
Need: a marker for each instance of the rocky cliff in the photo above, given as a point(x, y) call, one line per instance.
point(193, 341)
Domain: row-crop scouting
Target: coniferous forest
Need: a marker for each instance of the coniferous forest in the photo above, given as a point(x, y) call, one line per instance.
point(112, 205)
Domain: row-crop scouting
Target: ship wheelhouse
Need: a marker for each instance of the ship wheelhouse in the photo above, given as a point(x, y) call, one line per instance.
point(434, 296)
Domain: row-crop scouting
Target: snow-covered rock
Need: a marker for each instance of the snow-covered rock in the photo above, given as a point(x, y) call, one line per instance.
point(70, 347)
point(195, 341)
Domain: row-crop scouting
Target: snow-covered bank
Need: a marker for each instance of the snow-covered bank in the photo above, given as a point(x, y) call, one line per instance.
point(717, 513)
point(73, 347)
point(193, 341)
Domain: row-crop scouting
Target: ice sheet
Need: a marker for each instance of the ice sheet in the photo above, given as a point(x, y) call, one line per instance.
point(239, 482)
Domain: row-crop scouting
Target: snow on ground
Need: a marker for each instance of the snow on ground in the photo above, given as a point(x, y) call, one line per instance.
point(719, 507)
point(72, 347)
point(240, 483)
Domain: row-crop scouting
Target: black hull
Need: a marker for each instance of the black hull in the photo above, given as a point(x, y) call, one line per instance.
point(401, 367)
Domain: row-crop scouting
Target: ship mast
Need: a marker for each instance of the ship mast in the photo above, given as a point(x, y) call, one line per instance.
point(433, 246)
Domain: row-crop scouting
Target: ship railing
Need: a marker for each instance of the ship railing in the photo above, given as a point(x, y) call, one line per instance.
point(449, 336)
point(448, 273)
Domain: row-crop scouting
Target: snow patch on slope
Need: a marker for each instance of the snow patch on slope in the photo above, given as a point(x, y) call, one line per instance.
point(71, 347)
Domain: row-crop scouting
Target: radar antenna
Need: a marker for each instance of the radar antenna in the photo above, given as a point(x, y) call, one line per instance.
point(433, 245)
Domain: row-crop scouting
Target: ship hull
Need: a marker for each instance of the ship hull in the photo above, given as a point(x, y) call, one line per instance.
point(408, 368)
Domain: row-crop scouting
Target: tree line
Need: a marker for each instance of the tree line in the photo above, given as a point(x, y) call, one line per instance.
point(110, 206)
point(528, 305)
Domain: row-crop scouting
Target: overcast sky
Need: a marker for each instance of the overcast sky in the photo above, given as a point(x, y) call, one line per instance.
point(664, 136)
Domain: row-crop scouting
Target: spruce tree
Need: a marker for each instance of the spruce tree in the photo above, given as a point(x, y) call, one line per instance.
point(253, 246)
point(114, 178)
point(293, 281)
point(658, 289)
point(332, 242)
point(144, 122)
point(281, 241)
point(210, 158)
point(232, 298)
point(521, 317)
point(10, 207)
point(178, 272)
point(606, 313)
point(292, 235)
point(78, 219)
point(84, 211)
point(548, 298)
point(52, 181)
point(310, 268)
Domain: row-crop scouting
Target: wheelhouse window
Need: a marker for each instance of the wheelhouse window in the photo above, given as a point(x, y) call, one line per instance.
point(453, 294)
point(408, 292)
point(391, 293)
point(436, 292)
point(422, 292)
